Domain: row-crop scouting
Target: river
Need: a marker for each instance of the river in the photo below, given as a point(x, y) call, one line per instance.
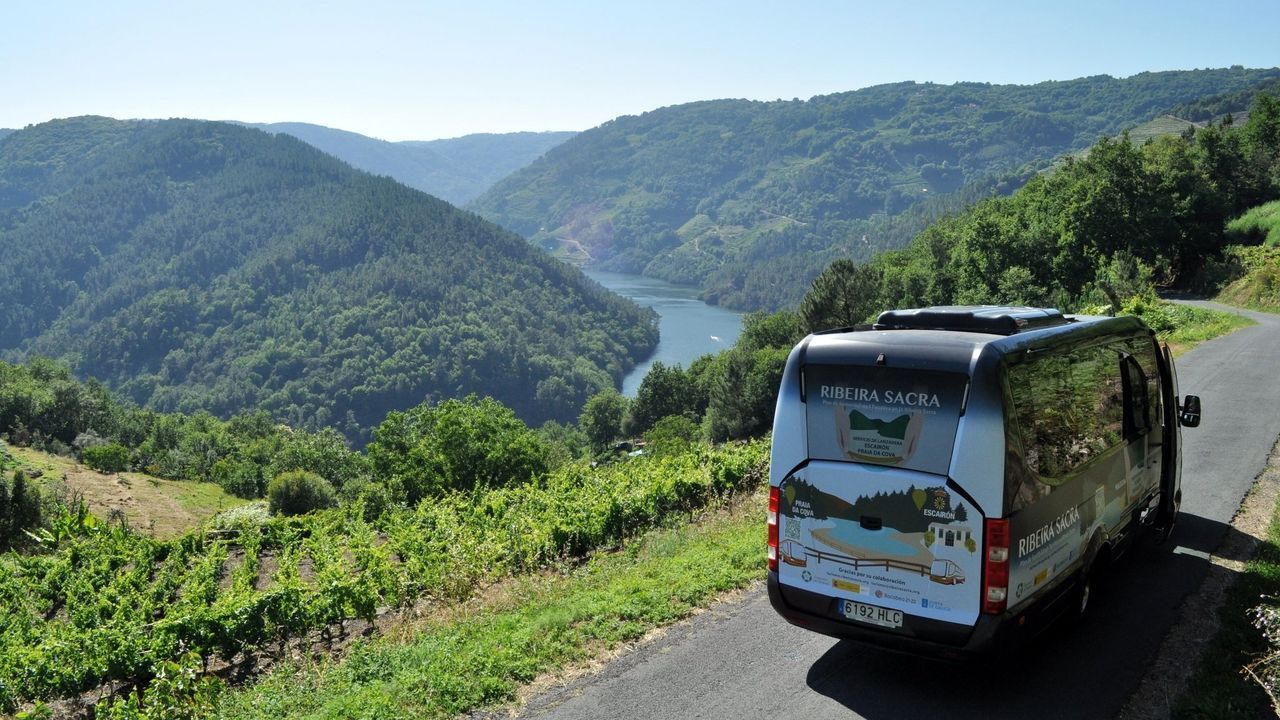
point(688, 328)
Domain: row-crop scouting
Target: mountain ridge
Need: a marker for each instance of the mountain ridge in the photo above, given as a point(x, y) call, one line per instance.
point(194, 265)
point(750, 199)
point(456, 170)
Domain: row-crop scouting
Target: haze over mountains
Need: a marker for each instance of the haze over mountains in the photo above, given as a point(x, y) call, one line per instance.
point(195, 265)
point(750, 200)
point(457, 170)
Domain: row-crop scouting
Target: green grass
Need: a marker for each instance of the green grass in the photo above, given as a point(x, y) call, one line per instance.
point(1196, 325)
point(536, 625)
point(1257, 285)
point(1220, 689)
point(165, 508)
point(1185, 326)
point(1259, 224)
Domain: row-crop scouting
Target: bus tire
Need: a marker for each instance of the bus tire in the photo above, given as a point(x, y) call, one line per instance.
point(1084, 593)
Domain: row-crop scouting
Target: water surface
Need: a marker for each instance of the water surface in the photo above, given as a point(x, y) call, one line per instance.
point(688, 327)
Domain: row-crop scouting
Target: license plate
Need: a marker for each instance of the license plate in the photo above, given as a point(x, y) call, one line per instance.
point(884, 617)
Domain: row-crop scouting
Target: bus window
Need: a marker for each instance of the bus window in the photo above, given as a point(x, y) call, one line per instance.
point(1069, 407)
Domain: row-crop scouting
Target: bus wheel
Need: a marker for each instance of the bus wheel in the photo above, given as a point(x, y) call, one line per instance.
point(1084, 593)
point(1096, 558)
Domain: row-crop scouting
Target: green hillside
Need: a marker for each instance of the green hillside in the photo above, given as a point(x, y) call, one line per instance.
point(1163, 125)
point(1259, 224)
point(749, 200)
point(1104, 230)
point(1220, 104)
point(1249, 274)
point(194, 265)
point(457, 170)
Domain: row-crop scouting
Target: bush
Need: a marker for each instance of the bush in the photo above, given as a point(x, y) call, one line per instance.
point(251, 515)
point(237, 477)
point(456, 445)
point(109, 458)
point(374, 497)
point(298, 492)
point(671, 434)
point(1156, 314)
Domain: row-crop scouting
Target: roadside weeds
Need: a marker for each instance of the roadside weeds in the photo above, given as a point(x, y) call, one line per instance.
point(1181, 655)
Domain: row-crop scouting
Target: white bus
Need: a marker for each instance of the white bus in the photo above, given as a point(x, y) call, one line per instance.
point(950, 479)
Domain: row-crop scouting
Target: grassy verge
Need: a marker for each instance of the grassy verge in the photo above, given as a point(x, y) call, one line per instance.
point(1221, 689)
point(1262, 224)
point(1185, 326)
point(480, 655)
point(1258, 284)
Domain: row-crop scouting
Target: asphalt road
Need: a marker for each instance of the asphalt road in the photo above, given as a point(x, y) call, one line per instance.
point(741, 660)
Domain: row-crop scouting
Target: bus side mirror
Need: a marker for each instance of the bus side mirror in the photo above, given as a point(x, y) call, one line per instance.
point(1189, 415)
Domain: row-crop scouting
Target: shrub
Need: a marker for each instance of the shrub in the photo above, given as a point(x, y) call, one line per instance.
point(254, 514)
point(237, 477)
point(456, 445)
point(109, 458)
point(673, 433)
point(374, 497)
point(298, 492)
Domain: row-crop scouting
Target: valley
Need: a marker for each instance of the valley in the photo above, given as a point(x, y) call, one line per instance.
point(321, 402)
point(687, 327)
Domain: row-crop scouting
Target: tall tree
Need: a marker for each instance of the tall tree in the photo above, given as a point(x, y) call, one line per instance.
point(664, 391)
point(601, 418)
point(845, 294)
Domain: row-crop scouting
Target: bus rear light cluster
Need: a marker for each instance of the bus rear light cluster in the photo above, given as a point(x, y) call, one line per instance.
point(773, 528)
point(995, 567)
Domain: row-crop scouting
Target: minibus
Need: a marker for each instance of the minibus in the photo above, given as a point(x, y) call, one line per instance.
point(950, 479)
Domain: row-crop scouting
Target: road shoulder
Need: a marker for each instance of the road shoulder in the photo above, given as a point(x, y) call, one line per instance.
point(1178, 658)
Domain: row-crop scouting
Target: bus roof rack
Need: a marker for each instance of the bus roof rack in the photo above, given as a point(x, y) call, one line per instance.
point(993, 319)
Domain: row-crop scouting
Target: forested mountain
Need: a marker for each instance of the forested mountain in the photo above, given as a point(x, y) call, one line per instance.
point(5, 131)
point(1216, 106)
point(197, 265)
point(457, 169)
point(1097, 234)
point(750, 200)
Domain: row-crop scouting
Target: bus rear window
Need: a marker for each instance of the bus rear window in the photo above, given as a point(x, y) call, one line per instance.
point(887, 416)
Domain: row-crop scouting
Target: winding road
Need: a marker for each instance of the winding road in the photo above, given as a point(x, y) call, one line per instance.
point(740, 660)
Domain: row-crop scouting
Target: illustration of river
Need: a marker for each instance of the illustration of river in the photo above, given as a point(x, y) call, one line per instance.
point(688, 327)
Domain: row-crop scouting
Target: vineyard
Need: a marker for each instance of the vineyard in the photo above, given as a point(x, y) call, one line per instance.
point(102, 608)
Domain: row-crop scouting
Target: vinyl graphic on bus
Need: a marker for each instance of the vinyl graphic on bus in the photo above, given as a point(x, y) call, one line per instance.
point(887, 416)
point(871, 534)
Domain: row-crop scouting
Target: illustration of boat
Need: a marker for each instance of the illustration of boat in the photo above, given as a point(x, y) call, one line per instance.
point(792, 553)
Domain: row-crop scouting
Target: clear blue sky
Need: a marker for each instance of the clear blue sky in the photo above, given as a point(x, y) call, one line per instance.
point(404, 70)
